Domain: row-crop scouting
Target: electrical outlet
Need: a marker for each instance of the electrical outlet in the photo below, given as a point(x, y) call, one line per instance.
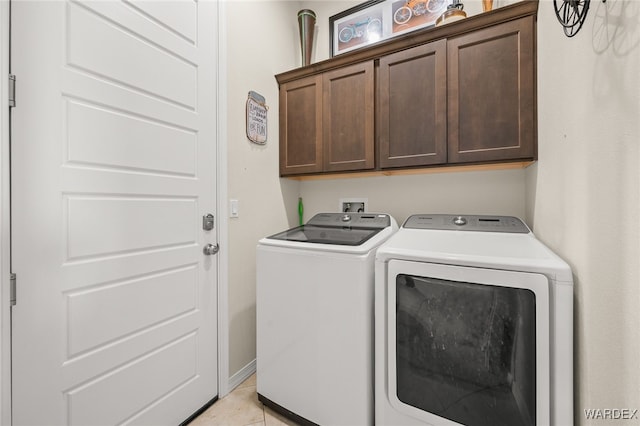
point(353, 205)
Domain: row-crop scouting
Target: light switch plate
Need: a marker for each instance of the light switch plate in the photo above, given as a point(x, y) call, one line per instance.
point(234, 208)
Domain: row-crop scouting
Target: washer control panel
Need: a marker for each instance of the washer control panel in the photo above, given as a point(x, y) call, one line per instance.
point(467, 223)
point(354, 220)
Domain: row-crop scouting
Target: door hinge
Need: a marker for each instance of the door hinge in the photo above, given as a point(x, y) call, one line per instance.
point(12, 90)
point(12, 290)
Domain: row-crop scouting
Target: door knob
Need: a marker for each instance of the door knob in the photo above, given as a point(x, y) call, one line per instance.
point(211, 249)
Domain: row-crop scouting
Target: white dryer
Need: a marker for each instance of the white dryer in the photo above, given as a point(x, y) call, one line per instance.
point(315, 309)
point(473, 325)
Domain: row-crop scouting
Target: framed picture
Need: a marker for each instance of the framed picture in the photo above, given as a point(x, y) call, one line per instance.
point(356, 27)
point(412, 15)
point(377, 20)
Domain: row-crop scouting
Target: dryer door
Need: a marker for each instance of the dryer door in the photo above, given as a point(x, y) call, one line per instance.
point(468, 345)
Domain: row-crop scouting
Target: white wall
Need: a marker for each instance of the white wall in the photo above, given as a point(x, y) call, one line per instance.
point(583, 195)
point(486, 192)
point(261, 42)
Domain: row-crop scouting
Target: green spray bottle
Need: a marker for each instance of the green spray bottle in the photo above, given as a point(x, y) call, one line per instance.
point(300, 210)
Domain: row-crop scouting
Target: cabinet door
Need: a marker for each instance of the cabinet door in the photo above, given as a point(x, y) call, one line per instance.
point(491, 78)
point(301, 126)
point(413, 106)
point(348, 118)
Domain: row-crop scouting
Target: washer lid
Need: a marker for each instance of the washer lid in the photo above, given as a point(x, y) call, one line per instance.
point(327, 235)
point(347, 229)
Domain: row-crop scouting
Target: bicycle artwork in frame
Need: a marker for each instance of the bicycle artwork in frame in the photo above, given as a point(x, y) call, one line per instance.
point(377, 20)
point(356, 27)
point(410, 15)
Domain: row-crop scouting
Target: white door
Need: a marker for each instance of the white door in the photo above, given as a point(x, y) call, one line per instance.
point(113, 167)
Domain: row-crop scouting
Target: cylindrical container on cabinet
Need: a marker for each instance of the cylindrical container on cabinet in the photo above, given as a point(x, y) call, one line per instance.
point(307, 26)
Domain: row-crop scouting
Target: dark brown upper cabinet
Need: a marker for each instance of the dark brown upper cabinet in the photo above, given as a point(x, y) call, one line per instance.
point(461, 93)
point(412, 106)
point(301, 126)
point(347, 106)
point(327, 123)
point(491, 93)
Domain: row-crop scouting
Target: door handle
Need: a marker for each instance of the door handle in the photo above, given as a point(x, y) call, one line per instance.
point(211, 249)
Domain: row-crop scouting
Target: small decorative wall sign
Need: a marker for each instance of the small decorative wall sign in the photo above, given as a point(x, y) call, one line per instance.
point(257, 118)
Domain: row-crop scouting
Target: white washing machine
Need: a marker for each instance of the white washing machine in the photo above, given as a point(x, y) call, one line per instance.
point(473, 325)
point(315, 314)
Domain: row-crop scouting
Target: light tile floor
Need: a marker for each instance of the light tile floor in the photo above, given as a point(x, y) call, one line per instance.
point(241, 408)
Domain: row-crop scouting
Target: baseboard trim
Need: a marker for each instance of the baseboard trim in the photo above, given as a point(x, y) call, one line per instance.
point(243, 374)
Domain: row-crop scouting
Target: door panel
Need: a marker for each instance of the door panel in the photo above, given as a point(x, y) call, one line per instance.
point(492, 93)
point(113, 165)
point(149, 66)
point(86, 403)
point(430, 371)
point(348, 120)
point(107, 138)
point(301, 126)
point(415, 135)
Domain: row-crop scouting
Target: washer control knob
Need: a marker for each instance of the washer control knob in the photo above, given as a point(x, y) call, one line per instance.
point(346, 218)
point(459, 221)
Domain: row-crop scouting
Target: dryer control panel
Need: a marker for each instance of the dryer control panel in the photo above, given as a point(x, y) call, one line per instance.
point(454, 222)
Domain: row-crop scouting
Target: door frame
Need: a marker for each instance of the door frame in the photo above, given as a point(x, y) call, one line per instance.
point(5, 208)
point(5, 242)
